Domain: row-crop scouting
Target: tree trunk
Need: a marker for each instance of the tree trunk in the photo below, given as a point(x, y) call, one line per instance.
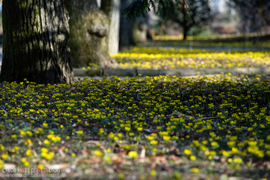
point(126, 38)
point(35, 42)
point(88, 26)
point(112, 9)
point(185, 33)
point(140, 29)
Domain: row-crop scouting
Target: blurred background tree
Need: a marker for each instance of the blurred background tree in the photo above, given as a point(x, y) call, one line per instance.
point(189, 13)
point(186, 13)
point(254, 14)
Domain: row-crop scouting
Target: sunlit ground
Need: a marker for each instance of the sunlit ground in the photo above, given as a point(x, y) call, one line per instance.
point(171, 58)
point(139, 128)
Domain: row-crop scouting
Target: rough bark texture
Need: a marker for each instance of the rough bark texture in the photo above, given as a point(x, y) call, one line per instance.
point(140, 28)
point(112, 9)
point(35, 42)
point(126, 38)
point(88, 26)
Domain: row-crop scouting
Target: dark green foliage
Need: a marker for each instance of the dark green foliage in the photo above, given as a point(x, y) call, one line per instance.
point(187, 13)
point(139, 7)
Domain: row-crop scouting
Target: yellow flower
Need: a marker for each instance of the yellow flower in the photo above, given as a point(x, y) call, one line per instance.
point(192, 158)
point(98, 153)
point(46, 141)
point(166, 138)
point(150, 138)
point(153, 173)
point(23, 160)
point(237, 160)
point(22, 132)
point(1, 164)
point(133, 154)
point(127, 128)
point(4, 156)
point(80, 132)
point(195, 170)
point(45, 124)
point(49, 156)
point(41, 166)
point(153, 142)
point(26, 163)
point(44, 150)
point(176, 175)
point(28, 142)
point(121, 176)
point(225, 153)
point(127, 147)
point(29, 133)
point(2, 147)
point(187, 152)
point(108, 159)
point(28, 152)
point(13, 136)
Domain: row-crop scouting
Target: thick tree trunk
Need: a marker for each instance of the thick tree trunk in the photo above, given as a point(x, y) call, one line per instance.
point(35, 42)
point(112, 9)
point(140, 29)
point(126, 38)
point(88, 26)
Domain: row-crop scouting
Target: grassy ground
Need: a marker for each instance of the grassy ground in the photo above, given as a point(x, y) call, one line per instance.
point(251, 41)
point(140, 128)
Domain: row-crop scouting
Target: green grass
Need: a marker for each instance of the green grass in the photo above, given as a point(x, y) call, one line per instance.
point(165, 127)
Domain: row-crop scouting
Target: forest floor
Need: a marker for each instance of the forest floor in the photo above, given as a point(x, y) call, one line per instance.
point(161, 127)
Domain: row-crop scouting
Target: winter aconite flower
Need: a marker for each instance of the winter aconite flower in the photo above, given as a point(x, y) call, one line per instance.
point(80, 132)
point(98, 153)
point(133, 154)
point(187, 152)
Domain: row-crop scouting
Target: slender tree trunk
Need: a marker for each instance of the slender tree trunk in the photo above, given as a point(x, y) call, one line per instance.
point(35, 42)
point(185, 21)
point(88, 26)
point(126, 38)
point(185, 33)
point(112, 9)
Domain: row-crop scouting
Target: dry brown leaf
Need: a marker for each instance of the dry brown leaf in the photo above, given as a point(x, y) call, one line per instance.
point(85, 151)
point(95, 159)
point(118, 159)
point(61, 151)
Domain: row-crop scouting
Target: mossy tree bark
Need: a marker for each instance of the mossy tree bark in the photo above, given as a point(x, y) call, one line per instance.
point(35, 42)
point(88, 27)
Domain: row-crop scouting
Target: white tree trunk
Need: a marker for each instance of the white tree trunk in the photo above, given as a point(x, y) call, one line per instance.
point(112, 9)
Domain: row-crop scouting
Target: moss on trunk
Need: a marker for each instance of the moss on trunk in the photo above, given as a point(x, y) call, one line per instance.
point(88, 27)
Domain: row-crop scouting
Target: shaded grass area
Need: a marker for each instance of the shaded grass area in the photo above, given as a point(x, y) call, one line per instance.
point(164, 127)
point(256, 41)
